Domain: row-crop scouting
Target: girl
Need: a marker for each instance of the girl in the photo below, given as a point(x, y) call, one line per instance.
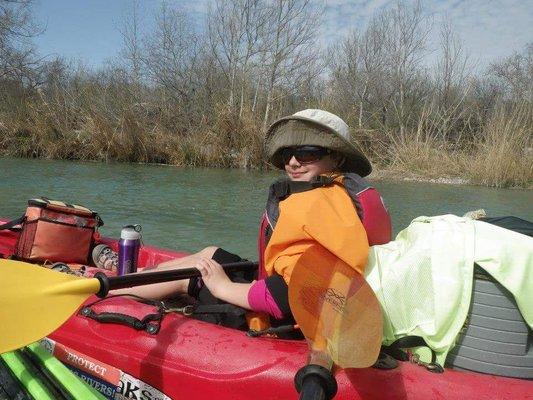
point(324, 202)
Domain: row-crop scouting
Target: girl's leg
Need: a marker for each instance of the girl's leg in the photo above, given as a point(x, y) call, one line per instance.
point(185, 262)
point(163, 290)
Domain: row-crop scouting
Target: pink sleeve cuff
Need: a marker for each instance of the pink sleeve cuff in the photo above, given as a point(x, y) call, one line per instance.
point(261, 300)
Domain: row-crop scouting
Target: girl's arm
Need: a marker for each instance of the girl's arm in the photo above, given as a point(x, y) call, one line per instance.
point(236, 293)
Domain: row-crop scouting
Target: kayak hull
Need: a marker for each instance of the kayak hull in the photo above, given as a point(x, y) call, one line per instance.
point(193, 359)
point(190, 359)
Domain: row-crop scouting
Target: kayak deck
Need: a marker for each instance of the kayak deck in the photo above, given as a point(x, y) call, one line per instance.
point(194, 359)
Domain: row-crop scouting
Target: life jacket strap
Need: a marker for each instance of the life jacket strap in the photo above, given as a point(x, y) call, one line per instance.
point(284, 187)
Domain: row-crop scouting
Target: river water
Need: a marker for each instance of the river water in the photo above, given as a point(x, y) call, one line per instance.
point(187, 209)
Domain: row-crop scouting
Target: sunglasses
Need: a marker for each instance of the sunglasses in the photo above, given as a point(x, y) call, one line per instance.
point(304, 154)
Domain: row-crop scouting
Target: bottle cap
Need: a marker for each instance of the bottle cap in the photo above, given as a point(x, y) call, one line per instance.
point(131, 232)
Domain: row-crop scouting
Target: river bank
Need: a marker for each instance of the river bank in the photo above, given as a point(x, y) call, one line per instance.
point(379, 173)
point(498, 155)
point(397, 176)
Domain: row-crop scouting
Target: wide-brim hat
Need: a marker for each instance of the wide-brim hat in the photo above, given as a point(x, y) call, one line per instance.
point(315, 128)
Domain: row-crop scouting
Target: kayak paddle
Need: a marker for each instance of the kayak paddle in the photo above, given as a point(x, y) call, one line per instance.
point(35, 301)
point(339, 316)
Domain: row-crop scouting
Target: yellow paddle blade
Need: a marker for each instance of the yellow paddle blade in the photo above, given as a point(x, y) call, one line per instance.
point(35, 301)
point(336, 309)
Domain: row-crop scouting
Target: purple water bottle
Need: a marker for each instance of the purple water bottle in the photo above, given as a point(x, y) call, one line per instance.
point(128, 249)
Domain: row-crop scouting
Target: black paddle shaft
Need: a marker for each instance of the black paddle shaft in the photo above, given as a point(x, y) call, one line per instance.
point(315, 382)
point(108, 283)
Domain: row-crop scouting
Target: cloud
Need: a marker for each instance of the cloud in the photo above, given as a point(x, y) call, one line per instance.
point(489, 30)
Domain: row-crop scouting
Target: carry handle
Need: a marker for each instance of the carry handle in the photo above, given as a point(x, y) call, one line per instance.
point(123, 319)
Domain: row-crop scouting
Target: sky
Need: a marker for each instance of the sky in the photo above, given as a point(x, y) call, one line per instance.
point(88, 30)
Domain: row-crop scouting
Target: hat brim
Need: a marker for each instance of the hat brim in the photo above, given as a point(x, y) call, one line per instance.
point(280, 135)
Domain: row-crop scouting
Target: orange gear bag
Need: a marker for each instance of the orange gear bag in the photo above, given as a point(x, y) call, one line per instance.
point(54, 231)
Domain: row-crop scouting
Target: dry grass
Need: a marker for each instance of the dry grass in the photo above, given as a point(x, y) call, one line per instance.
point(499, 155)
point(227, 142)
point(427, 157)
point(420, 152)
point(132, 135)
point(503, 155)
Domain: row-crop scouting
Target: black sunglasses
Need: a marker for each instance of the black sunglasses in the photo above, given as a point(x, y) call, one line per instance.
point(304, 154)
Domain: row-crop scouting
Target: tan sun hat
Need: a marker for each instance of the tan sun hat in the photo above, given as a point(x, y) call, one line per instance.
point(315, 128)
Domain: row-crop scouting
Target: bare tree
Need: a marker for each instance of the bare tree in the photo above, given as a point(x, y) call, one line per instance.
point(516, 73)
point(451, 81)
point(172, 55)
point(292, 46)
point(130, 30)
point(406, 46)
point(378, 72)
point(359, 67)
point(235, 29)
point(17, 54)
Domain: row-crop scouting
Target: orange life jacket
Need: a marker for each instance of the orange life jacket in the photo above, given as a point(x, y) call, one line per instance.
point(367, 202)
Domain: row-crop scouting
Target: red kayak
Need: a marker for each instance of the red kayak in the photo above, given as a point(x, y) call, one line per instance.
point(190, 359)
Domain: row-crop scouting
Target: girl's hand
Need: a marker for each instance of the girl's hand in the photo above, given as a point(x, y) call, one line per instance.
point(213, 276)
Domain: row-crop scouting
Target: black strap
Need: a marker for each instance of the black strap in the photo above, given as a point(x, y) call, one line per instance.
point(283, 188)
point(385, 361)
point(11, 224)
point(278, 331)
point(395, 350)
point(218, 309)
point(36, 368)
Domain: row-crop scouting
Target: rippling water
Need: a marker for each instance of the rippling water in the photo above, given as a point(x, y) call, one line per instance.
point(187, 209)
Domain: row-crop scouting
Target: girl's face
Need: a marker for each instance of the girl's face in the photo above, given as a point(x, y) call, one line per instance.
point(300, 167)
